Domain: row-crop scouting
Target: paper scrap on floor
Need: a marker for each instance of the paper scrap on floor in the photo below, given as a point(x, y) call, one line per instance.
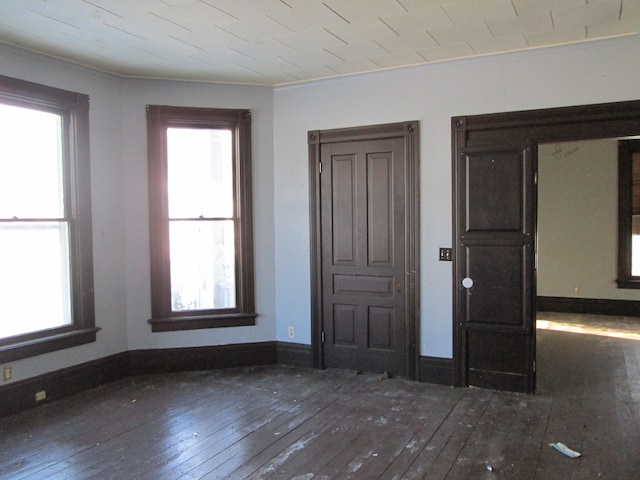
point(562, 448)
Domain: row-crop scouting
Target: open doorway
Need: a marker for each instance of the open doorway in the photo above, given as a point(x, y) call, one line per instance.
point(493, 349)
point(577, 257)
point(577, 224)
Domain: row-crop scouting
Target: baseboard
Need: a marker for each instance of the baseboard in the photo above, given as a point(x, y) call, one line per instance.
point(436, 370)
point(626, 308)
point(295, 354)
point(18, 396)
point(143, 362)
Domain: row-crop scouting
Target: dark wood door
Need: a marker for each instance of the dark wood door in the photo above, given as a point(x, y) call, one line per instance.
point(362, 188)
point(495, 278)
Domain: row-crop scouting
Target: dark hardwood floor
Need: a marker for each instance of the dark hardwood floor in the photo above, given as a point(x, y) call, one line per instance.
point(282, 422)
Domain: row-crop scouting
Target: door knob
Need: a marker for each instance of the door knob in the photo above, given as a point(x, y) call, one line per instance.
point(467, 283)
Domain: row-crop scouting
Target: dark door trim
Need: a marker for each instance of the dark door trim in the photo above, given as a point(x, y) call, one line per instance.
point(409, 132)
point(563, 124)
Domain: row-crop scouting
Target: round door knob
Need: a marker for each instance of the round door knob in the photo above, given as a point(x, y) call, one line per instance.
point(467, 282)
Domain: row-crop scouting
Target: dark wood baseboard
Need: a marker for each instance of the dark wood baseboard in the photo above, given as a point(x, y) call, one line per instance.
point(143, 362)
point(294, 354)
point(436, 370)
point(18, 396)
point(21, 395)
point(595, 306)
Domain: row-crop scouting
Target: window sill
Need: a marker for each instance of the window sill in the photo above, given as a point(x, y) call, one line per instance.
point(172, 324)
point(50, 343)
point(629, 283)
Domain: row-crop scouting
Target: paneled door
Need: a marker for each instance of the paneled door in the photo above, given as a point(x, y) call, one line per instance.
point(362, 202)
point(495, 267)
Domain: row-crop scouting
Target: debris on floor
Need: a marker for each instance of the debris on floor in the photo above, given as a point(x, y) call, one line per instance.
point(562, 448)
point(385, 375)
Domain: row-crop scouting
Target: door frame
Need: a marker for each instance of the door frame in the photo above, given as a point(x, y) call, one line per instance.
point(409, 132)
point(585, 122)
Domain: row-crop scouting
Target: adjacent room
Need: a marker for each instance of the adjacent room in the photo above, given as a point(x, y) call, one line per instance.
point(319, 239)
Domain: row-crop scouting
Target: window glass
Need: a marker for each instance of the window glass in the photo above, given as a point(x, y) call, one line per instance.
point(34, 253)
point(635, 215)
point(31, 183)
point(202, 265)
point(35, 283)
point(635, 246)
point(200, 173)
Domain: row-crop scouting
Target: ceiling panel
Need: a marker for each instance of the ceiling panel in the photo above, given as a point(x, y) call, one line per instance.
point(556, 37)
point(460, 50)
point(470, 11)
point(355, 51)
point(398, 59)
point(502, 44)
point(590, 15)
point(527, 22)
point(360, 30)
point(407, 41)
point(362, 9)
point(419, 20)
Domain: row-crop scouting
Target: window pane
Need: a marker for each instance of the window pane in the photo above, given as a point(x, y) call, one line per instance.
point(635, 214)
point(31, 184)
point(202, 256)
point(200, 173)
point(635, 246)
point(35, 281)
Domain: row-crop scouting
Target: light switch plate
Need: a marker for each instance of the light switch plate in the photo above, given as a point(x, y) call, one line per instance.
point(445, 254)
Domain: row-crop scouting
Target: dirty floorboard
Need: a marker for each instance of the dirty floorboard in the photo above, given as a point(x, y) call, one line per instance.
point(282, 422)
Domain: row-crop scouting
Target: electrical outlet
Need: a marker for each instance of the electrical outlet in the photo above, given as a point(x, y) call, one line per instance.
point(292, 332)
point(41, 395)
point(6, 373)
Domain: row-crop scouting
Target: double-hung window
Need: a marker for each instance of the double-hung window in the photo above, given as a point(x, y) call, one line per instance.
point(200, 217)
point(46, 272)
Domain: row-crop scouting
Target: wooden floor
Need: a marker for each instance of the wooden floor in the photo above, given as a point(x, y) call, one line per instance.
point(282, 422)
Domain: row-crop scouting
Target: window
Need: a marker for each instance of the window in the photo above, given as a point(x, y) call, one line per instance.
point(46, 272)
point(629, 213)
point(200, 218)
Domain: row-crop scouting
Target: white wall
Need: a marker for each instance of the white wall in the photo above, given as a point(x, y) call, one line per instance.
point(578, 220)
point(596, 72)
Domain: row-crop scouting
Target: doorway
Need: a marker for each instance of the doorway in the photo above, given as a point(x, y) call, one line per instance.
point(364, 239)
point(495, 302)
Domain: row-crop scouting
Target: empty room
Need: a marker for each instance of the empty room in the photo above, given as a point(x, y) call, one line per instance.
point(415, 251)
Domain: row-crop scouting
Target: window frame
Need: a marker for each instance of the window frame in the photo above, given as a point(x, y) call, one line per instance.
point(74, 111)
point(626, 150)
point(159, 118)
